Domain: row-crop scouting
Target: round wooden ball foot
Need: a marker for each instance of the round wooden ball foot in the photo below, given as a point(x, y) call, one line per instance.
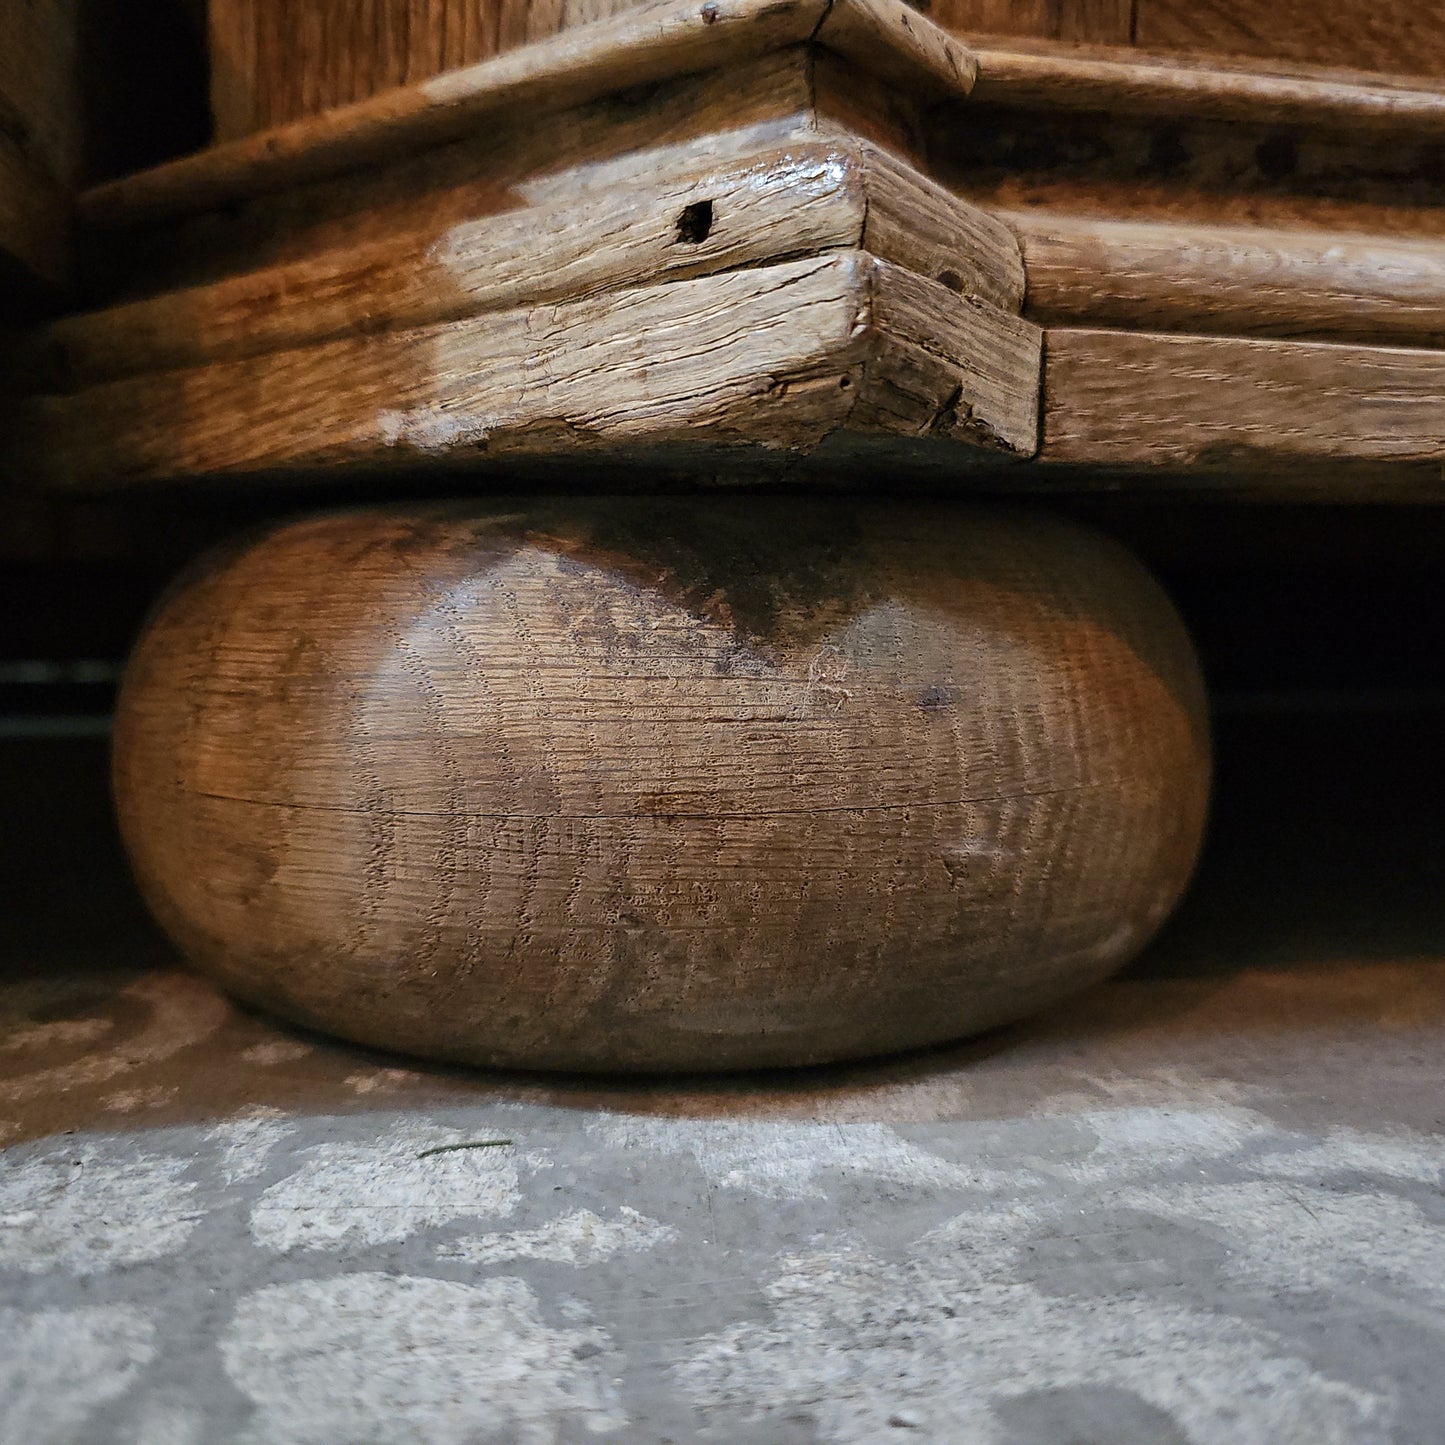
point(648, 785)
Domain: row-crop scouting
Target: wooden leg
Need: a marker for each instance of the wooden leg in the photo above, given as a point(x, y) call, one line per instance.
point(647, 784)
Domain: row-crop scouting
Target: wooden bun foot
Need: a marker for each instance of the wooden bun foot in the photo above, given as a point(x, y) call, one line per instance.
point(662, 785)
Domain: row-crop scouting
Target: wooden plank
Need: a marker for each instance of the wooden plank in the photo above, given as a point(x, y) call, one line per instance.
point(1209, 173)
point(1391, 35)
point(1230, 403)
point(653, 41)
point(930, 231)
point(1232, 280)
point(724, 115)
point(1125, 81)
point(778, 357)
point(693, 218)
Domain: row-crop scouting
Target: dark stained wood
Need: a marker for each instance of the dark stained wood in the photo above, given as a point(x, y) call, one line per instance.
point(40, 146)
point(40, 108)
point(34, 231)
point(662, 785)
point(1174, 168)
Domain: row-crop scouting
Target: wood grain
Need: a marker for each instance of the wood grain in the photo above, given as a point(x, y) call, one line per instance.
point(662, 785)
point(1097, 22)
point(780, 357)
point(1128, 81)
point(653, 41)
point(1232, 280)
point(1141, 399)
point(617, 141)
point(892, 42)
point(693, 216)
point(1124, 166)
point(1400, 36)
point(1386, 35)
point(1104, 22)
point(274, 62)
point(895, 59)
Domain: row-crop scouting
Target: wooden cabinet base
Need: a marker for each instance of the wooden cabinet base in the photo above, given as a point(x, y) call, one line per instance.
point(817, 237)
point(662, 784)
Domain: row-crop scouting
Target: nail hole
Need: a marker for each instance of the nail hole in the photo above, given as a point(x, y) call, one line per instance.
point(695, 223)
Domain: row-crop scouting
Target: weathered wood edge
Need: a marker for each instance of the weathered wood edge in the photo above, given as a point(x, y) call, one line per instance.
point(694, 218)
point(1115, 398)
point(948, 366)
point(654, 41)
point(668, 38)
point(1126, 80)
point(1231, 280)
point(895, 43)
point(780, 357)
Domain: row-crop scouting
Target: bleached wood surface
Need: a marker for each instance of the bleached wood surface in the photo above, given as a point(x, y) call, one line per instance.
point(780, 357)
point(692, 217)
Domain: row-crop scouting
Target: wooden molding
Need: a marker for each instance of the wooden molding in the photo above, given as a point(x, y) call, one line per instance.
point(778, 358)
point(1119, 80)
point(1231, 280)
point(654, 41)
point(1239, 404)
point(693, 217)
point(712, 233)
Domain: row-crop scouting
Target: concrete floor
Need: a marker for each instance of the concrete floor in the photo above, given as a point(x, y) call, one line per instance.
point(1202, 1203)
